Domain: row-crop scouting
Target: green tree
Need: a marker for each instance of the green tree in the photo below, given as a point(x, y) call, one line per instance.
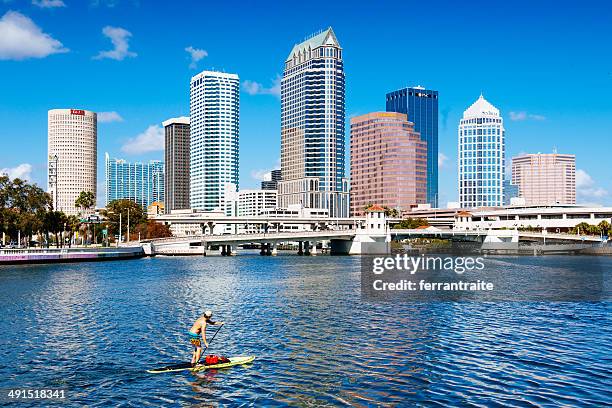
point(411, 223)
point(585, 228)
point(389, 212)
point(72, 225)
point(605, 228)
point(136, 215)
point(85, 201)
point(22, 208)
point(55, 221)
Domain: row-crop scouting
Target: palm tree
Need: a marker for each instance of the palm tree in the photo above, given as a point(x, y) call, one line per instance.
point(604, 227)
point(72, 223)
point(85, 201)
point(54, 223)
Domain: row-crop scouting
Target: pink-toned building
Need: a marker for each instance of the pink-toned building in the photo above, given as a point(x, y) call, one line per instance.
point(545, 178)
point(388, 162)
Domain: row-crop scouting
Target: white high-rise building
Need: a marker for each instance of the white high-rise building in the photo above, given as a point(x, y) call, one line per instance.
point(312, 127)
point(72, 160)
point(481, 156)
point(214, 138)
point(247, 203)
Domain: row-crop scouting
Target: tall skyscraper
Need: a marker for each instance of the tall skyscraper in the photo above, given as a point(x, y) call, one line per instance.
point(545, 178)
point(481, 156)
point(421, 106)
point(388, 162)
point(312, 126)
point(272, 184)
point(176, 164)
point(72, 160)
point(214, 138)
point(142, 183)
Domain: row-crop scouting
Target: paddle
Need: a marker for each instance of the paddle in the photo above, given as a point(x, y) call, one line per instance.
point(211, 340)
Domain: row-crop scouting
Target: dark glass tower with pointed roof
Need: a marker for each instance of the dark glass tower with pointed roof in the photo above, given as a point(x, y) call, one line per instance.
point(312, 126)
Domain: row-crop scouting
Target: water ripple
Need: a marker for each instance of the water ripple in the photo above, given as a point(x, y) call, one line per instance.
point(95, 328)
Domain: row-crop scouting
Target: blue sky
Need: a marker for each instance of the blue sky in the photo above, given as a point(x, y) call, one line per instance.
point(547, 65)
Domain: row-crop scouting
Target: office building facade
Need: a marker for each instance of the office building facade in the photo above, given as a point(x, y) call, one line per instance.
point(142, 183)
point(72, 156)
point(312, 126)
point(510, 191)
point(272, 184)
point(214, 138)
point(388, 162)
point(481, 138)
point(421, 106)
point(545, 178)
point(176, 176)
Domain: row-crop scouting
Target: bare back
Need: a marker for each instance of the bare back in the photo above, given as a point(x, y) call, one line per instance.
point(199, 326)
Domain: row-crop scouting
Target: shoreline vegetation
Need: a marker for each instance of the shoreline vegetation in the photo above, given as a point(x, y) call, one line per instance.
point(28, 219)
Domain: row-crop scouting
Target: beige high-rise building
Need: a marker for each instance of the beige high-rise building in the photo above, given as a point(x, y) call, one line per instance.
point(72, 160)
point(545, 178)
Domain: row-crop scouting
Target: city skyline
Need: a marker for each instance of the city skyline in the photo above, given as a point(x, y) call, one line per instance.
point(532, 97)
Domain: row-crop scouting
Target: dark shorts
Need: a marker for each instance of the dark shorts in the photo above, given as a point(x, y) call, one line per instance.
point(195, 339)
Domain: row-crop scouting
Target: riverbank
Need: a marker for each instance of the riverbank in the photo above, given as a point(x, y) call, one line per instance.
point(64, 255)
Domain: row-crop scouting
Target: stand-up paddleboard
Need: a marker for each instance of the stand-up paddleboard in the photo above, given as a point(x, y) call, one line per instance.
point(201, 367)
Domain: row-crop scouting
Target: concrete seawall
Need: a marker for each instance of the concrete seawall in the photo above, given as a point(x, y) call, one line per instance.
point(62, 255)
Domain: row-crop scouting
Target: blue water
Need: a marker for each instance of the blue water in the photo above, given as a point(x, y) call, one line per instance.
point(93, 329)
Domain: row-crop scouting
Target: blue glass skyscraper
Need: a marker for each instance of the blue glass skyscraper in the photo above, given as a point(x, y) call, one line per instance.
point(421, 106)
point(142, 183)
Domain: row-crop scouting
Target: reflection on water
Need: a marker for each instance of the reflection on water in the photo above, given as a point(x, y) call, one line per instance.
point(95, 328)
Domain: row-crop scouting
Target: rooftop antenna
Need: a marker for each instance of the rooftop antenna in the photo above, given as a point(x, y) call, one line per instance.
point(554, 149)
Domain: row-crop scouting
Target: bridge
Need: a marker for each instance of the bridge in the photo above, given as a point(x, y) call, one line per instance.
point(363, 239)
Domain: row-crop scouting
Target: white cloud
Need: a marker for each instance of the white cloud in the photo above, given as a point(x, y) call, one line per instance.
point(255, 88)
point(22, 171)
point(20, 39)
point(48, 3)
point(261, 174)
point(586, 188)
point(583, 179)
point(264, 174)
point(107, 3)
point(522, 115)
point(442, 160)
point(196, 55)
point(151, 140)
point(536, 117)
point(107, 117)
point(119, 37)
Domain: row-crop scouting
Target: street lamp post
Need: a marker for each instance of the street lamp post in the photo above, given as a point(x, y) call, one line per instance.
point(128, 227)
point(119, 239)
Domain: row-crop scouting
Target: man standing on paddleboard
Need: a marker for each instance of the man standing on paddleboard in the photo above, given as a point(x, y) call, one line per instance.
point(199, 328)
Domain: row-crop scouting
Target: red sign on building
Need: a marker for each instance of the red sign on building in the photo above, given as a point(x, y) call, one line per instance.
point(77, 112)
